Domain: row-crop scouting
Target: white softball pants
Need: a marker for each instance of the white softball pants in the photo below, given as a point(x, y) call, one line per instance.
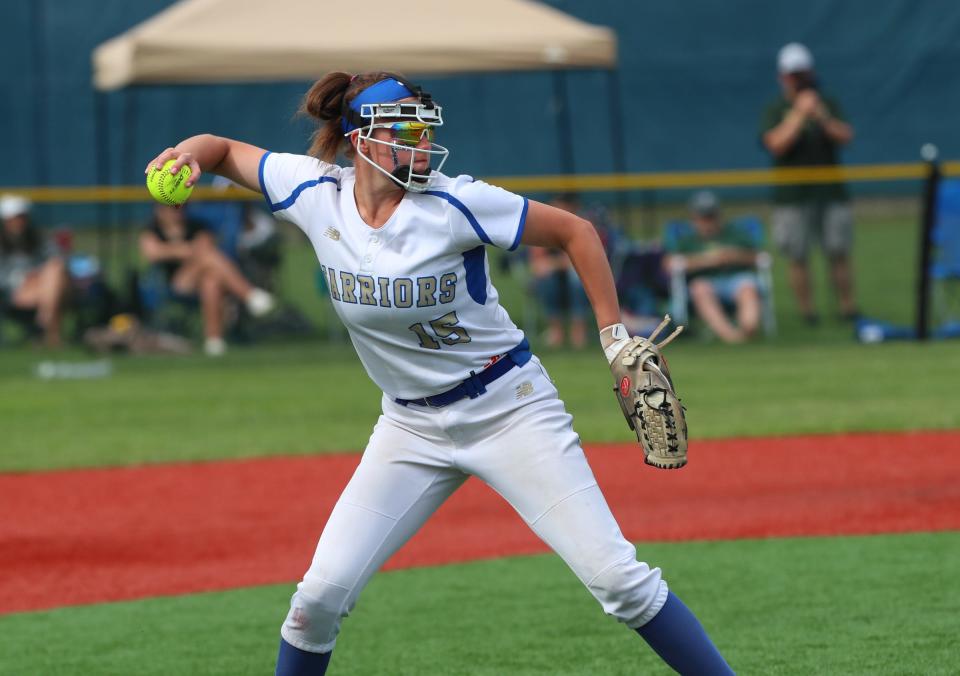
point(518, 439)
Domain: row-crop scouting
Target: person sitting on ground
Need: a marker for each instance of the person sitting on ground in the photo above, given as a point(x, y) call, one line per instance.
point(193, 264)
point(719, 260)
point(32, 277)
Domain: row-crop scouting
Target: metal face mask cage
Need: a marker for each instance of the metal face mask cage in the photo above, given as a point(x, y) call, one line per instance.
point(425, 114)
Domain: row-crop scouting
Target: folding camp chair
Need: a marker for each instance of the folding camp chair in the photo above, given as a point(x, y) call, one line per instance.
point(945, 256)
point(679, 294)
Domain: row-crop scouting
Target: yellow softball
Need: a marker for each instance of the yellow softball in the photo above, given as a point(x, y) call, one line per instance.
point(169, 188)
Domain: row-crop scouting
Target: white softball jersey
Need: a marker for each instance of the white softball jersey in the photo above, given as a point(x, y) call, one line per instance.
point(415, 294)
point(416, 298)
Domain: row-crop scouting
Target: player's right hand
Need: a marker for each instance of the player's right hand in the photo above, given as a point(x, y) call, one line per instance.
point(181, 159)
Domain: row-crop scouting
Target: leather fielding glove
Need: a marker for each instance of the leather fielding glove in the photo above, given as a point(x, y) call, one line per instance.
point(645, 392)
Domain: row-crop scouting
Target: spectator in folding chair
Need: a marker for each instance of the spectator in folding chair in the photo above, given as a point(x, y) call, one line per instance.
point(643, 285)
point(260, 254)
point(245, 233)
point(558, 289)
point(719, 260)
point(260, 248)
point(34, 284)
point(188, 255)
point(223, 218)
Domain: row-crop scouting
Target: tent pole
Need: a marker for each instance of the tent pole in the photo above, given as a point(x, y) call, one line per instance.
point(561, 111)
point(130, 115)
point(40, 92)
point(617, 145)
point(101, 146)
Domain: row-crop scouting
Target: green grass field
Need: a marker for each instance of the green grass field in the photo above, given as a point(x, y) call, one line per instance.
point(306, 399)
point(314, 396)
point(864, 605)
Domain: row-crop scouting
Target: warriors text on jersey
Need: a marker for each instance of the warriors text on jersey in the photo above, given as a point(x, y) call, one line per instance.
point(414, 294)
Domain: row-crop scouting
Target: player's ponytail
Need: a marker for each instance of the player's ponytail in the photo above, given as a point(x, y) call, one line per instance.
point(324, 102)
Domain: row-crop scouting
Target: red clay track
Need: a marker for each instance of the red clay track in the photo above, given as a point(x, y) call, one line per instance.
point(90, 536)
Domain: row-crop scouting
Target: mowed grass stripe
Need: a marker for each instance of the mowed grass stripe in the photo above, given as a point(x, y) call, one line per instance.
point(859, 605)
point(316, 398)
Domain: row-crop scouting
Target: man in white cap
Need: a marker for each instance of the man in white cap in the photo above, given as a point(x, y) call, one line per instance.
point(31, 277)
point(803, 128)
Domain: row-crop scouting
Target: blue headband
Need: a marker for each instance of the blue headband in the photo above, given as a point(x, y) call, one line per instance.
point(385, 91)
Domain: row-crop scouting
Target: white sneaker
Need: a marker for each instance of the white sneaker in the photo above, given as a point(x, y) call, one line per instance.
point(214, 347)
point(259, 302)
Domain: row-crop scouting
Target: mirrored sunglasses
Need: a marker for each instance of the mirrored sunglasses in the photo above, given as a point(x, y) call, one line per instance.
point(411, 133)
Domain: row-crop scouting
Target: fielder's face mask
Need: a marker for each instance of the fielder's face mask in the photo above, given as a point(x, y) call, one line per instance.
point(411, 127)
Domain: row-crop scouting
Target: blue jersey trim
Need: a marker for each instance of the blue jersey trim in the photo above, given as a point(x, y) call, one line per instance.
point(263, 186)
point(475, 265)
point(523, 224)
point(465, 211)
point(287, 203)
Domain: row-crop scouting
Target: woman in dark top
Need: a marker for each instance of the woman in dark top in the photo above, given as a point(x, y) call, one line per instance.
point(31, 276)
point(189, 255)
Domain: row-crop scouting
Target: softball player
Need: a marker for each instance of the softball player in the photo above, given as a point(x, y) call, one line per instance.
point(402, 248)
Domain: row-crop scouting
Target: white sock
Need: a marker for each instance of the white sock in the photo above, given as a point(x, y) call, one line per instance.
point(259, 302)
point(214, 347)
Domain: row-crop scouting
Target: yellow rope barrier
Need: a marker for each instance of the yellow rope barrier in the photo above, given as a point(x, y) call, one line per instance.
point(725, 178)
point(562, 183)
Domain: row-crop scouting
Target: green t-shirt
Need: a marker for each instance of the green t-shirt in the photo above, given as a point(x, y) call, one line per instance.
point(812, 148)
point(688, 241)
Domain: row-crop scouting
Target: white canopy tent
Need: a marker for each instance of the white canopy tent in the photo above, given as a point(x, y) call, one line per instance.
point(217, 41)
point(245, 41)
